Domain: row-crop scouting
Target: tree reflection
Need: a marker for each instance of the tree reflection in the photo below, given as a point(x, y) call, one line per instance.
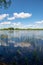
point(4, 40)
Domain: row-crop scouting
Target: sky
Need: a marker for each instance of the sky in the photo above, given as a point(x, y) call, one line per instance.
point(22, 14)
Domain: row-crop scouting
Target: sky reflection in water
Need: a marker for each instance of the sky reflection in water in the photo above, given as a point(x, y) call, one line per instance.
point(21, 45)
point(32, 39)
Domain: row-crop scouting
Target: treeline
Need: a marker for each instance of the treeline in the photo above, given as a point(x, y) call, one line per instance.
point(11, 28)
point(7, 29)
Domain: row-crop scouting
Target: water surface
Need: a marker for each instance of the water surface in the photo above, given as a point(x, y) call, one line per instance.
point(20, 46)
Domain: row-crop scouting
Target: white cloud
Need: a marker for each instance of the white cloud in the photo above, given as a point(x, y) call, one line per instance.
point(5, 23)
point(11, 18)
point(18, 25)
point(21, 25)
point(39, 22)
point(22, 15)
point(2, 16)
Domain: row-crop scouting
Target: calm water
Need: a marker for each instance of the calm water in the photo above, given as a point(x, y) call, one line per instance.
point(21, 47)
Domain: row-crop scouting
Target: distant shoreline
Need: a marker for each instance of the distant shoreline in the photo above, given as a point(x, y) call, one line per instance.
point(22, 29)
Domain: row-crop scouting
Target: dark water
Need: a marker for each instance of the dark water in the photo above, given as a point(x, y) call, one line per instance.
point(21, 47)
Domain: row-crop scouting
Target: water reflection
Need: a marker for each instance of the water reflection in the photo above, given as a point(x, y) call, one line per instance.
point(14, 44)
point(22, 38)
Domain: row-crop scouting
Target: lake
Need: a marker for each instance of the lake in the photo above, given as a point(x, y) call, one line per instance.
point(21, 47)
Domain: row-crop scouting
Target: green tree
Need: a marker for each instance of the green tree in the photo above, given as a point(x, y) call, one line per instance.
point(5, 3)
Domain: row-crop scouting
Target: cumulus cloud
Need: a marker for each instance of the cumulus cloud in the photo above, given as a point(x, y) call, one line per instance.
point(11, 18)
point(2, 16)
point(39, 22)
point(21, 25)
point(5, 23)
point(18, 25)
point(15, 15)
point(20, 15)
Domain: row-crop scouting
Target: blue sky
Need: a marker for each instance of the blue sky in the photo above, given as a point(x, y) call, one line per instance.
point(22, 14)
